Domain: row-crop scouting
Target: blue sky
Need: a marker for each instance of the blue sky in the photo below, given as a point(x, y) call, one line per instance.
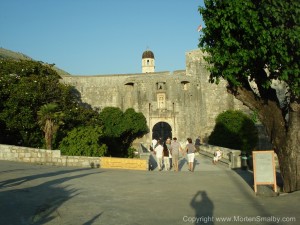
point(92, 37)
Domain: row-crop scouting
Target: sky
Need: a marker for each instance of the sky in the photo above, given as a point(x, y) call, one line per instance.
point(94, 37)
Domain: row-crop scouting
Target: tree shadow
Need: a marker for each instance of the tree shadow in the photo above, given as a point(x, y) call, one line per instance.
point(20, 180)
point(248, 196)
point(265, 190)
point(203, 207)
point(9, 171)
point(246, 175)
point(39, 204)
point(91, 221)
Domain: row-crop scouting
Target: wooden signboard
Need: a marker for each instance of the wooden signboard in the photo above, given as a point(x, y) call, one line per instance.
point(264, 169)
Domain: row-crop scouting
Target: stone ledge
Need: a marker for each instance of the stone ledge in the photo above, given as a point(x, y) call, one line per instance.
point(230, 157)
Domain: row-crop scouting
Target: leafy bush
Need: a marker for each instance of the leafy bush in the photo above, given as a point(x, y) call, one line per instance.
point(234, 129)
point(83, 141)
point(26, 86)
point(131, 152)
point(121, 129)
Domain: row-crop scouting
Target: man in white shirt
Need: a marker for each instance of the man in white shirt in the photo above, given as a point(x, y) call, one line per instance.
point(154, 143)
point(159, 154)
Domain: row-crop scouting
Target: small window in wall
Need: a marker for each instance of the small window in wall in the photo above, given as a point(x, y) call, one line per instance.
point(161, 100)
point(147, 62)
point(129, 86)
point(160, 86)
point(185, 85)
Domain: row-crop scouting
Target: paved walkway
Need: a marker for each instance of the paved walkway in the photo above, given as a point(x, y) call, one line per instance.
point(36, 194)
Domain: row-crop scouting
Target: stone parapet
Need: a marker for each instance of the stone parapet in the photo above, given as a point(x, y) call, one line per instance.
point(47, 157)
point(231, 157)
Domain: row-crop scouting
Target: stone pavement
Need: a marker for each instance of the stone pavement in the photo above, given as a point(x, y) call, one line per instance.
point(38, 194)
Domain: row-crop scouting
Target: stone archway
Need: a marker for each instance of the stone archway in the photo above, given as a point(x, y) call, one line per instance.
point(161, 130)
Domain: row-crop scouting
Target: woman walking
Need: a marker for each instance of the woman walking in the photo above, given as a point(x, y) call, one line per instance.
point(190, 150)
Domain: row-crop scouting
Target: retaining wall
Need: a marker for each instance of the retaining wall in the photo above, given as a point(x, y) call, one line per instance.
point(46, 157)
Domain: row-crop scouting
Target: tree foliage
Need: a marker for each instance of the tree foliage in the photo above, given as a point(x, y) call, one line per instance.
point(49, 119)
point(83, 141)
point(247, 37)
point(236, 130)
point(25, 86)
point(259, 41)
point(121, 129)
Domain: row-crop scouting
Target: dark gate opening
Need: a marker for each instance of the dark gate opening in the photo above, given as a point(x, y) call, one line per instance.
point(162, 130)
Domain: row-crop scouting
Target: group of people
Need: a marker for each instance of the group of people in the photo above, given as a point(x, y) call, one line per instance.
point(167, 153)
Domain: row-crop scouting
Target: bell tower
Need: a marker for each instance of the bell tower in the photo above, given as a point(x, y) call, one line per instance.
point(148, 62)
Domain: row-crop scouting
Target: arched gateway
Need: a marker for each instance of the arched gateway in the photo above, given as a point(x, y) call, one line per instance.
point(161, 130)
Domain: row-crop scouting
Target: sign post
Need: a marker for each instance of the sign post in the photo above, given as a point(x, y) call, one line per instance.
point(264, 169)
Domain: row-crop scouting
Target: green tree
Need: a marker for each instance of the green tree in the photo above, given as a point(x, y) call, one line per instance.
point(25, 86)
point(236, 130)
point(121, 129)
point(83, 141)
point(49, 118)
point(259, 41)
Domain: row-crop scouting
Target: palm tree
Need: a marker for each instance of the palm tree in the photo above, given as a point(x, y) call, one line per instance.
point(49, 118)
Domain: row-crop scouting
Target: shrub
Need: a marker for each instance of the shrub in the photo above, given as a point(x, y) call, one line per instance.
point(235, 130)
point(83, 141)
point(131, 152)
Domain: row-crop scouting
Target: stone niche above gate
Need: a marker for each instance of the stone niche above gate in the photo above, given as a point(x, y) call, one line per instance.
point(161, 100)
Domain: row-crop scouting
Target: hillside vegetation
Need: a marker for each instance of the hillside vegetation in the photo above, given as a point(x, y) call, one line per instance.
point(8, 54)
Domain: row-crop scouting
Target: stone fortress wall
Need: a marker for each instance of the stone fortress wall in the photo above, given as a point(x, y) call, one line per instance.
point(183, 102)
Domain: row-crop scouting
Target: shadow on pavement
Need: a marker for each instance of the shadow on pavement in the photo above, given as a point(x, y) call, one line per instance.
point(263, 190)
point(181, 163)
point(20, 180)
point(91, 221)
point(203, 207)
point(37, 204)
point(152, 162)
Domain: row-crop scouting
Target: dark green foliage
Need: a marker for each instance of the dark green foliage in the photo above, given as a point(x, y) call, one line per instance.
point(25, 86)
point(83, 141)
point(244, 37)
point(121, 129)
point(234, 130)
point(131, 152)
